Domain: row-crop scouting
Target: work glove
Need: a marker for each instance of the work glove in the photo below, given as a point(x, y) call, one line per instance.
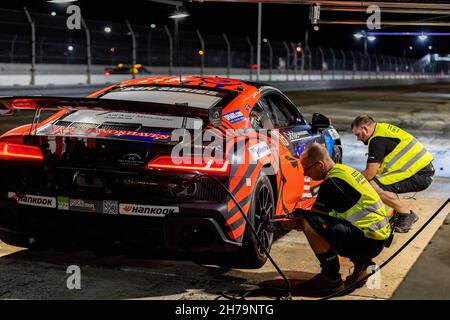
point(291, 221)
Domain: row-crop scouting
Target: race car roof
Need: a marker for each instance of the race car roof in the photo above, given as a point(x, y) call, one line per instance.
point(228, 84)
point(172, 95)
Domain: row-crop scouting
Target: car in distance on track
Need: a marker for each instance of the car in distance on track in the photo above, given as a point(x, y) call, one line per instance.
point(126, 69)
point(159, 161)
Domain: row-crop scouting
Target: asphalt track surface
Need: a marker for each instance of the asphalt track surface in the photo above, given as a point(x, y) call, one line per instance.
point(424, 109)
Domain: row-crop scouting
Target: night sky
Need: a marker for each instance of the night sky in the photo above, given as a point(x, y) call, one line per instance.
point(280, 22)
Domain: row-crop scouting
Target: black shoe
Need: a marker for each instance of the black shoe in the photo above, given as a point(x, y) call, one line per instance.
point(405, 221)
point(360, 271)
point(321, 284)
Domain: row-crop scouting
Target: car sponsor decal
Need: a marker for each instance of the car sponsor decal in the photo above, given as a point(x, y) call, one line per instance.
point(299, 149)
point(259, 151)
point(131, 159)
point(215, 116)
point(234, 116)
point(93, 132)
point(143, 137)
point(98, 206)
point(33, 200)
point(333, 133)
point(117, 117)
point(110, 207)
point(85, 205)
point(63, 203)
point(171, 89)
point(133, 134)
point(219, 82)
point(146, 210)
point(296, 135)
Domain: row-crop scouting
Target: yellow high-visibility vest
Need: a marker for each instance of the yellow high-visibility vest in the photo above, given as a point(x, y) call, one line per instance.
point(408, 157)
point(369, 213)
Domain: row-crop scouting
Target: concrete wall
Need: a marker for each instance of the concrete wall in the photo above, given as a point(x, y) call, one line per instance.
point(83, 90)
point(70, 80)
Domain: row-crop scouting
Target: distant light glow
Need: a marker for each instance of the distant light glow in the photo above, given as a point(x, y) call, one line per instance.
point(358, 35)
point(413, 34)
point(371, 38)
point(107, 29)
point(316, 28)
point(153, 26)
point(265, 40)
point(201, 52)
point(430, 47)
point(179, 14)
point(61, 1)
point(410, 47)
point(298, 49)
point(53, 13)
point(423, 37)
point(70, 48)
point(439, 58)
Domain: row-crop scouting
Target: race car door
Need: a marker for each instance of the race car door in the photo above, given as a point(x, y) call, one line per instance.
point(295, 135)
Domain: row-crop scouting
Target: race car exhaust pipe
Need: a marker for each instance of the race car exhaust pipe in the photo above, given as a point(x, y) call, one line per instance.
point(182, 188)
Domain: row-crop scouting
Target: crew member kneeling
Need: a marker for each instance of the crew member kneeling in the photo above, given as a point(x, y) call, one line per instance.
point(348, 218)
point(397, 163)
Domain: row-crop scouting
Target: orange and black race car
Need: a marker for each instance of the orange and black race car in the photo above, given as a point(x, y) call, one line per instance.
point(133, 164)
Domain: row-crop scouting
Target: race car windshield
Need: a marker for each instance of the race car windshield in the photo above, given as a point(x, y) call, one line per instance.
point(187, 97)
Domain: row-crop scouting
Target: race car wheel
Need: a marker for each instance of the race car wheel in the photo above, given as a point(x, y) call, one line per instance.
point(337, 153)
point(262, 208)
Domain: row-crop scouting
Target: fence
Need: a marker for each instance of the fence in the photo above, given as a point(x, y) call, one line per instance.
point(108, 43)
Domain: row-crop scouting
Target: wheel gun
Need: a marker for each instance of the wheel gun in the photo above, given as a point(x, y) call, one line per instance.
point(290, 221)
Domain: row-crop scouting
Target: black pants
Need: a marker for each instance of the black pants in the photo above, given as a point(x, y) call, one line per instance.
point(418, 182)
point(345, 239)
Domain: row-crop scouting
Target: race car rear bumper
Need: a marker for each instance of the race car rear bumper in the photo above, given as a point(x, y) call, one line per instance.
point(196, 228)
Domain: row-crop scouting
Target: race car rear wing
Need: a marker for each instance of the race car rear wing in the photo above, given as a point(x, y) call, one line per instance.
point(55, 103)
point(40, 103)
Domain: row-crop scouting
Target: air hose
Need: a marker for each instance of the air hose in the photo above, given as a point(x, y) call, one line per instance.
point(277, 293)
point(356, 284)
point(286, 294)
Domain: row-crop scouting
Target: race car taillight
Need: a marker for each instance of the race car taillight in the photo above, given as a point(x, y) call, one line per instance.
point(24, 104)
point(194, 164)
point(13, 151)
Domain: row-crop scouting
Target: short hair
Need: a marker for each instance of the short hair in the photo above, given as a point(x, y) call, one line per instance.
point(363, 120)
point(316, 152)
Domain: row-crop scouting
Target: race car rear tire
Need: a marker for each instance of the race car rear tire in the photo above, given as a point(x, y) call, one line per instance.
point(262, 208)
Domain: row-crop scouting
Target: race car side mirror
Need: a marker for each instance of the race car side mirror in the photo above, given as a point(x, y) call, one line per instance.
point(320, 121)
